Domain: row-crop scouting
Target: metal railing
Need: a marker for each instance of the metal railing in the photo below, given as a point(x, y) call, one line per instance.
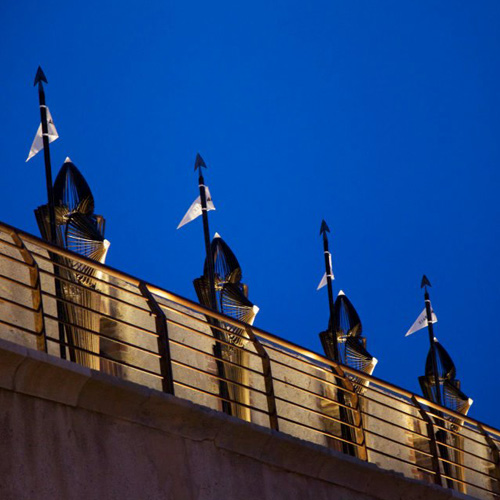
point(110, 321)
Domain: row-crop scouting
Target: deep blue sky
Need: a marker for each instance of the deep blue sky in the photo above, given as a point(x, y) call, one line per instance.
point(381, 117)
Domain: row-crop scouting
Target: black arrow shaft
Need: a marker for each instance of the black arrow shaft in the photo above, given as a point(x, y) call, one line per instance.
point(328, 269)
point(430, 329)
point(345, 415)
point(51, 205)
point(224, 392)
point(206, 232)
point(46, 156)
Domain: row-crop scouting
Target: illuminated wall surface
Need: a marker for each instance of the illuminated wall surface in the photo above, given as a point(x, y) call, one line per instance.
point(127, 441)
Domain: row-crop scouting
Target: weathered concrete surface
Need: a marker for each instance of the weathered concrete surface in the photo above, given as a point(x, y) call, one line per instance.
point(67, 432)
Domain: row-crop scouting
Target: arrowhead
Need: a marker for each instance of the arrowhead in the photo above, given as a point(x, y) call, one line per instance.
point(199, 162)
point(216, 235)
point(324, 228)
point(68, 160)
point(40, 76)
point(425, 282)
point(341, 292)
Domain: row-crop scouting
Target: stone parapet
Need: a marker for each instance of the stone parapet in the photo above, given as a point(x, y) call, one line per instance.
point(70, 432)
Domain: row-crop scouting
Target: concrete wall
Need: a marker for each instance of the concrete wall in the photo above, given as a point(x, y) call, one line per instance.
point(72, 433)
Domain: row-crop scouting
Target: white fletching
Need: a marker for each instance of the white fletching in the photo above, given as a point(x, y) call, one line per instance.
point(421, 322)
point(37, 145)
point(195, 209)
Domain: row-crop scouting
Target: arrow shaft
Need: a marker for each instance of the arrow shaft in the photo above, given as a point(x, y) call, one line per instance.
point(430, 328)
point(328, 269)
point(51, 205)
point(343, 412)
point(48, 169)
point(206, 232)
point(226, 406)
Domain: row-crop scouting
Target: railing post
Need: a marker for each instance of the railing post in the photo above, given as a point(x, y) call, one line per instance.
point(36, 292)
point(432, 443)
point(163, 343)
point(268, 379)
point(359, 432)
point(495, 455)
point(221, 369)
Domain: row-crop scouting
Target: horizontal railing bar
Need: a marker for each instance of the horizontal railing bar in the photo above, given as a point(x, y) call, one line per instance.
point(456, 464)
point(454, 414)
point(444, 417)
point(17, 282)
point(17, 261)
point(218, 377)
point(319, 431)
point(444, 429)
point(466, 483)
point(99, 313)
point(204, 322)
point(219, 398)
point(315, 412)
point(466, 427)
point(415, 417)
point(102, 335)
point(325, 369)
point(82, 273)
point(212, 356)
point(400, 401)
point(464, 435)
point(373, 433)
point(10, 243)
point(314, 394)
point(465, 452)
point(210, 336)
point(18, 327)
point(18, 304)
point(104, 356)
point(80, 327)
point(221, 329)
point(93, 290)
point(402, 460)
point(392, 424)
point(319, 379)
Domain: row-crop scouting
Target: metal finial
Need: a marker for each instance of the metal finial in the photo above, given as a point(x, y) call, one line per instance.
point(199, 162)
point(324, 227)
point(425, 282)
point(40, 76)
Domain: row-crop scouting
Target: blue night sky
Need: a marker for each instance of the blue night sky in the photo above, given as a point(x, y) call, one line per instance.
point(380, 117)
